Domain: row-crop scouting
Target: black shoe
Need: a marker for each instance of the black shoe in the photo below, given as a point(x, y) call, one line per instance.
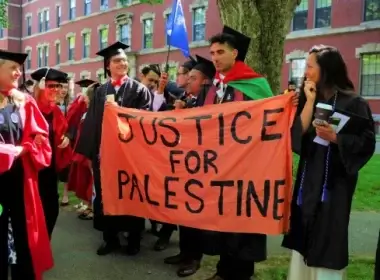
point(177, 259)
point(188, 268)
point(132, 250)
point(107, 248)
point(161, 244)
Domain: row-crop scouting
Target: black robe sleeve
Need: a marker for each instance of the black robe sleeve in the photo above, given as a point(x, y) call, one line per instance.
point(296, 129)
point(145, 98)
point(86, 142)
point(357, 149)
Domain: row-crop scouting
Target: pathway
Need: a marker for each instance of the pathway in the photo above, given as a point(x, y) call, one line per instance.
point(75, 243)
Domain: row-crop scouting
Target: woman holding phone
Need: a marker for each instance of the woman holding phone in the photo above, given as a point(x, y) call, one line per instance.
point(327, 173)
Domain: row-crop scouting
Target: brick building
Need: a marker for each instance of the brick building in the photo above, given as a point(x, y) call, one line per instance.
point(67, 33)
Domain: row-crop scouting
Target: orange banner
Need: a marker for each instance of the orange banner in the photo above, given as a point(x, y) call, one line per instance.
point(223, 167)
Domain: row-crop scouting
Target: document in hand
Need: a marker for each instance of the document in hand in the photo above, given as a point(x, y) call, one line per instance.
point(8, 149)
point(344, 122)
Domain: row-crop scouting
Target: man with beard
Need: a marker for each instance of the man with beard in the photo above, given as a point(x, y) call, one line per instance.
point(234, 81)
point(190, 239)
point(125, 92)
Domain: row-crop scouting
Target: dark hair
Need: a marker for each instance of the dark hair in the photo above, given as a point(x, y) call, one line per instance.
point(333, 70)
point(29, 83)
point(223, 38)
point(152, 67)
point(292, 83)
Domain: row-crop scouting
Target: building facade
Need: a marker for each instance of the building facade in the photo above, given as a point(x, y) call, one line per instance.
point(66, 34)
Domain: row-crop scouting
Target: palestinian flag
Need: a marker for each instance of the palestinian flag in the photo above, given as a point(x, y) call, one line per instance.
point(244, 79)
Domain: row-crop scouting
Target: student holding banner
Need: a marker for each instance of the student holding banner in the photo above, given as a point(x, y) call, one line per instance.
point(125, 92)
point(234, 81)
point(328, 171)
point(190, 239)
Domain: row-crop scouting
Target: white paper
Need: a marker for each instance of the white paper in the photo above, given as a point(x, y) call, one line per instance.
point(8, 149)
point(343, 121)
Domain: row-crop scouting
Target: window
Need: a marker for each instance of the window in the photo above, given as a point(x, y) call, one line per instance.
point(1, 32)
point(297, 70)
point(370, 75)
point(86, 45)
point(71, 47)
point(371, 10)
point(72, 9)
point(148, 33)
point(103, 38)
point(124, 33)
point(323, 13)
point(57, 53)
point(103, 5)
point(87, 7)
point(167, 23)
point(59, 15)
point(46, 18)
point(45, 53)
point(199, 24)
point(28, 25)
point(39, 53)
point(40, 22)
point(300, 16)
point(28, 62)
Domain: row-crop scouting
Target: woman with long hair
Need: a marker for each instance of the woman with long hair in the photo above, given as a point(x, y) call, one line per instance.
point(80, 178)
point(24, 150)
point(327, 173)
point(45, 92)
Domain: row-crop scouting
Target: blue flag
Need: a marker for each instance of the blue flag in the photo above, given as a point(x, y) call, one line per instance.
point(176, 29)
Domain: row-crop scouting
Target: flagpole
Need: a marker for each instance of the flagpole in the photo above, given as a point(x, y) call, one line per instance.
point(167, 56)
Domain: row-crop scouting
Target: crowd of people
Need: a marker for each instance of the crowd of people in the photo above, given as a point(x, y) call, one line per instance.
point(47, 138)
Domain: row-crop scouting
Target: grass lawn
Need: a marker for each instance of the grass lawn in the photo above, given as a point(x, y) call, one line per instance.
point(276, 268)
point(367, 192)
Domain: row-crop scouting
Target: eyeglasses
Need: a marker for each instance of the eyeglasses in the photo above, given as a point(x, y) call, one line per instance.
point(54, 86)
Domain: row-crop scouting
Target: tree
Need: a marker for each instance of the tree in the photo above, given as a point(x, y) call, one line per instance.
point(267, 22)
point(3, 13)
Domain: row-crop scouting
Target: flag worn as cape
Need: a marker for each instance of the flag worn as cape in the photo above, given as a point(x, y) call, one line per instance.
point(244, 79)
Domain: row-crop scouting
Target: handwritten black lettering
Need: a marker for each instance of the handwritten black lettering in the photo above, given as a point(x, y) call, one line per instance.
point(169, 193)
point(174, 130)
point(252, 194)
point(234, 128)
point(198, 120)
point(221, 184)
point(266, 123)
point(122, 137)
point(277, 200)
point(188, 185)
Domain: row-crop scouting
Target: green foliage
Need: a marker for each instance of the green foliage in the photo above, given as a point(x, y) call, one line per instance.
point(4, 13)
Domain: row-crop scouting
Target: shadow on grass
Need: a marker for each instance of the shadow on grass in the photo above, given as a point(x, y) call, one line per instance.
point(276, 268)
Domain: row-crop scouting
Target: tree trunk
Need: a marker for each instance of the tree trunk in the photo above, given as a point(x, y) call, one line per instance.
point(267, 22)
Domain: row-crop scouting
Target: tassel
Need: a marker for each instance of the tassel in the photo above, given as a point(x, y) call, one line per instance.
point(41, 84)
point(324, 193)
point(299, 197)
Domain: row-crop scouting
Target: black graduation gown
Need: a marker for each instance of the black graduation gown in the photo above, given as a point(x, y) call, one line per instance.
point(48, 184)
point(241, 246)
point(319, 230)
point(12, 200)
point(377, 263)
point(131, 94)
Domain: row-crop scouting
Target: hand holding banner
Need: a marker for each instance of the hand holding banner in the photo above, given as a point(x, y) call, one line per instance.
point(223, 168)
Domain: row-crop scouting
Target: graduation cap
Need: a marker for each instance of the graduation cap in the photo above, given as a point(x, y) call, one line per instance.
point(110, 51)
point(242, 42)
point(48, 74)
point(205, 66)
point(85, 83)
point(16, 57)
point(189, 64)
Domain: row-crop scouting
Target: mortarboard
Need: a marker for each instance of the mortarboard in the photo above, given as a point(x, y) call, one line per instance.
point(85, 83)
point(16, 57)
point(242, 42)
point(110, 51)
point(205, 66)
point(48, 74)
point(189, 64)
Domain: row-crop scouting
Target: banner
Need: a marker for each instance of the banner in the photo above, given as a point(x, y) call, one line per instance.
point(224, 167)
